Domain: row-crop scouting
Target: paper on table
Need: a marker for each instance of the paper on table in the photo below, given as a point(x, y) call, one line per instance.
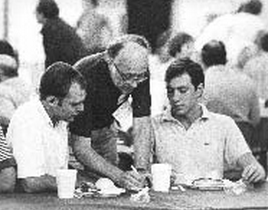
point(263, 109)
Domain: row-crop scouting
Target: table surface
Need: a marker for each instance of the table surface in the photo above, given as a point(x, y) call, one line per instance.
point(256, 198)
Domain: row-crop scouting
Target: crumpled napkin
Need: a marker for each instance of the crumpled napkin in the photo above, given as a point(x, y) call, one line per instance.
point(142, 196)
point(236, 188)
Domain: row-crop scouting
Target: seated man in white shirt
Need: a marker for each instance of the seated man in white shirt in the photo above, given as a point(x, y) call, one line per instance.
point(196, 142)
point(38, 131)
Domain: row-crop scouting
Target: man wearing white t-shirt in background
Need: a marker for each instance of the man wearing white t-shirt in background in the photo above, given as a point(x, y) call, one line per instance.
point(38, 131)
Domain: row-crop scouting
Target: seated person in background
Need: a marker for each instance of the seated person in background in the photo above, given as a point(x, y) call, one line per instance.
point(38, 131)
point(229, 91)
point(7, 49)
point(7, 166)
point(181, 45)
point(196, 142)
point(257, 67)
point(13, 90)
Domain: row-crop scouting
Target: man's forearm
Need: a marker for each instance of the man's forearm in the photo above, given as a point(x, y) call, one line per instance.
point(246, 160)
point(88, 157)
point(142, 142)
point(44, 183)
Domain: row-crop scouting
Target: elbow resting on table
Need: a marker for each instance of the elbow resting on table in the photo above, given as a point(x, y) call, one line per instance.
point(26, 186)
point(7, 180)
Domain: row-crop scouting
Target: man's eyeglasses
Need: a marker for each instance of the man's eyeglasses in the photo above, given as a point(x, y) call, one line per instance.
point(133, 77)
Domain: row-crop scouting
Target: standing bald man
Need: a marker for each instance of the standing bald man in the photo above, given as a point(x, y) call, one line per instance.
point(112, 76)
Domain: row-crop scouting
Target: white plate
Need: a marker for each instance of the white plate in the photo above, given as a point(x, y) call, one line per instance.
point(208, 184)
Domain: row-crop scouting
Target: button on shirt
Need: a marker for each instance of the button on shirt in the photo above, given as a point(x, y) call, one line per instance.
point(38, 147)
point(212, 141)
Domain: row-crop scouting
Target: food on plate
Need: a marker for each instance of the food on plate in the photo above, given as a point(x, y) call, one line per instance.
point(208, 183)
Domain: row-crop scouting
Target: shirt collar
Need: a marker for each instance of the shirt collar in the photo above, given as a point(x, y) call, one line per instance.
point(43, 112)
point(167, 117)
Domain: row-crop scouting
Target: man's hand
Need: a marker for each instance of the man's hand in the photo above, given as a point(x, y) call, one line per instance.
point(132, 181)
point(253, 173)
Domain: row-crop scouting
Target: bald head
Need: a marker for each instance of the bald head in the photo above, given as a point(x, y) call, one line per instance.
point(133, 58)
point(214, 53)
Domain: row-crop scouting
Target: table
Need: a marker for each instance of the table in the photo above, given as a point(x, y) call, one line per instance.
point(256, 198)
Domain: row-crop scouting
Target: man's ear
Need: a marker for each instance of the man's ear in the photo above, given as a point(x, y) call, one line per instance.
point(52, 100)
point(200, 90)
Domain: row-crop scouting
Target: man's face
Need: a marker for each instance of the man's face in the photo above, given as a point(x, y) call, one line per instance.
point(130, 68)
point(72, 104)
point(182, 95)
point(39, 17)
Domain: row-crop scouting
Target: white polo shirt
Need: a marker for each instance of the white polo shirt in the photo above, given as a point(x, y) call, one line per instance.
point(202, 151)
point(38, 147)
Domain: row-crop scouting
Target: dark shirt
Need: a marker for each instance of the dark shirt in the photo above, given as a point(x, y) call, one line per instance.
point(102, 97)
point(61, 43)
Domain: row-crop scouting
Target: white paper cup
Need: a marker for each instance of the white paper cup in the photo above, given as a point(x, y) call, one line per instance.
point(161, 173)
point(66, 179)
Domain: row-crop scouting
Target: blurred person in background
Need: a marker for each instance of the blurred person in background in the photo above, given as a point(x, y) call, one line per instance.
point(115, 75)
point(181, 45)
point(230, 91)
point(94, 28)
point(159, 61)
point(14, 91)
point(7, 49)
point(233, 29)
point(257, 67)
point(60, 41)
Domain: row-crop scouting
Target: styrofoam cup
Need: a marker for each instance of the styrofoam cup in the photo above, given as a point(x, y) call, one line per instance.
point(66, 179)
point(161, 173)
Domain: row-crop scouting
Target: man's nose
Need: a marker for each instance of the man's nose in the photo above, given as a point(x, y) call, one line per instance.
point(176, 96)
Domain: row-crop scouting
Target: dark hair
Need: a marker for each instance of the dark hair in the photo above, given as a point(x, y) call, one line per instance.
point(264, 41)
point(8, 65)
point(163, 39)
point(48, 8)
point(115, 46)
point(214, 53)
point(252, 6)
point(186, 66)
point(7, 49)
point(57, 80)
point(175, 44)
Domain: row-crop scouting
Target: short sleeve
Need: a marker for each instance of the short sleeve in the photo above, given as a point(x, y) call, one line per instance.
point(235, 144)
point(26, 142)
point(141, 103)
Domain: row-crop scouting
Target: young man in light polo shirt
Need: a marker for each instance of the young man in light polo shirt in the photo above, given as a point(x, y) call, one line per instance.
point(196, 142)
point(38, 129)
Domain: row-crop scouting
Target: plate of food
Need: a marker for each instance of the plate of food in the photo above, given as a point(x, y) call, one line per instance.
point(208, 184)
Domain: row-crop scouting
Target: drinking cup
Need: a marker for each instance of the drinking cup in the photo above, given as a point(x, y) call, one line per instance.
point(161, 173)
point(66, 179)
